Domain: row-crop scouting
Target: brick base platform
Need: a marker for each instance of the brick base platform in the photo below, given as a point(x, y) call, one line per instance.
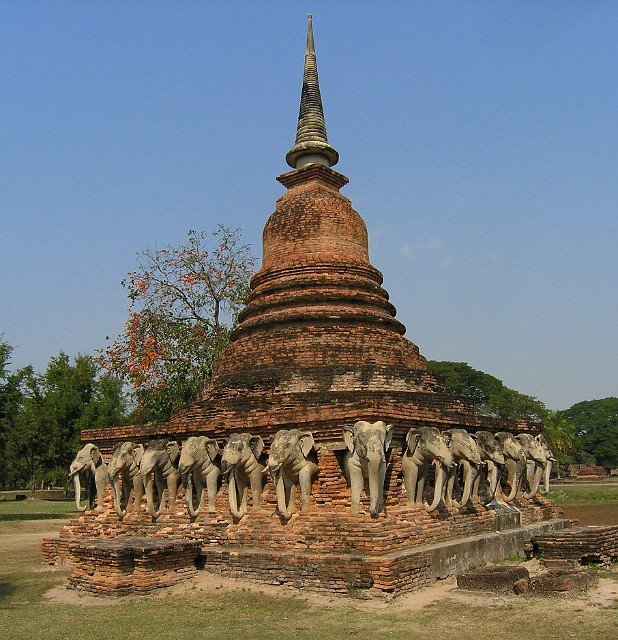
point(123, 566)
point(579, 545)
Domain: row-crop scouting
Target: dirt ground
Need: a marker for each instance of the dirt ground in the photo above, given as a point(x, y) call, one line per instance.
point(605, 594)
point(591, 514)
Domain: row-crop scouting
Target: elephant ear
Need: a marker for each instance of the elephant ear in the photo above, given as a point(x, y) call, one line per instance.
point(306, 442)
point(413, 437)
point(95, 454)
point(137, 453)
point(388, 436)
point(348, 437)
point(257, 445)
point(173, 450)
point(212, 447)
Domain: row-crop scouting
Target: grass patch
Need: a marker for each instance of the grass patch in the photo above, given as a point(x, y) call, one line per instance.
point(11, 510)
point(584, 495)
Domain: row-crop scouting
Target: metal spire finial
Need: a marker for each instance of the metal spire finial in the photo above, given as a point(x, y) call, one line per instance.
point(311, 141)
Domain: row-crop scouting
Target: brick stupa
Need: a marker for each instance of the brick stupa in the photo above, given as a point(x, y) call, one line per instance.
point(318, 347)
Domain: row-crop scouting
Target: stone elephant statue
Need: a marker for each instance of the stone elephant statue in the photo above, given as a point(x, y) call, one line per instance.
point(466, 455)
point(493, 461)
point(290, 463)
point(536, 460)
point(366, 459)
point(89, 463)
point(425, 446)
point(159, 469)
point(548, 465)
point(124, 466)
point(515, 463)
point(200, 467)
point(241, 467)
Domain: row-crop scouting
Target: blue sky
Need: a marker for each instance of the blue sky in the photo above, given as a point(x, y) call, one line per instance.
point(480, 139)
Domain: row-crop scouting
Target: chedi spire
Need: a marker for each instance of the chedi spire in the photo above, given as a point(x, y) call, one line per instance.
point(311, 142)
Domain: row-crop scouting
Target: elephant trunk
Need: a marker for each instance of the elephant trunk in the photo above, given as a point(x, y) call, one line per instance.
point(546, 474)
point(77, 485)
point(518, 469)
point(232, 487)
point(375, 489)
point(117, 498)
point(282, 504)
point(438, 489)
point(536, 480)
point(188, 482)
point(470, 472)
point(494, 472)
point(150, 498)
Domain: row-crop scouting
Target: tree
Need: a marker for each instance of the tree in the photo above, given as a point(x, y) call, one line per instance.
point(490, 395)
point(560, 433)
point(11, 398)
point(596, 424)
point(43, 415)
point(184, 301)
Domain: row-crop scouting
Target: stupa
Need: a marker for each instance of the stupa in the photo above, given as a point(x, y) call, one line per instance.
point(317, 348)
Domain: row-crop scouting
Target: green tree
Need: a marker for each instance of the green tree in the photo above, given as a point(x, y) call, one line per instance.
point(596, 424)
point(42, 422)
point(560, 433)
point(11, 399)
point(490, 395)
point(184, 302)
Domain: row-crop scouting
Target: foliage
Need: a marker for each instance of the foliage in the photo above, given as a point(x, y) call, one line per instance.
point(596, 424)
point(490, 395)
point(183, 302)
point(42, 416)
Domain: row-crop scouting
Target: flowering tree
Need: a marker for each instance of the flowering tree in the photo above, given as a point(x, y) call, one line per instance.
point(184, 302)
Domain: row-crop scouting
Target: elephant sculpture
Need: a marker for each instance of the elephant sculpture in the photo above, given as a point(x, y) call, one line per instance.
point(124, 465)
point(290, 463)
point(466, 454)
point(493, 460)
point(536, 460)
point(366, 459)
point(425, 446)
point(159, 469)
point(548, 464)
point(241, 466)
point(199, 467)
point(89, 463)
point(515, 462)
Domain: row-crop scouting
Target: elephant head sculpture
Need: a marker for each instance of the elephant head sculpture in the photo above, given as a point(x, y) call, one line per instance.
point(366, 459)
point(89, 463)
point(549, 464)
point(536, 460)
point(493, 459)
point(242, 468)
point(124, 466)
point(466, 454)
point(425, 446)
point(515, 462)
point(159, 468)
point(199, 467)
point(290, 463)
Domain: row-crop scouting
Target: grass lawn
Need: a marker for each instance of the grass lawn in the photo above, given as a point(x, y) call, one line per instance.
point(588, 493)
point(11, 510)
point(238, 612)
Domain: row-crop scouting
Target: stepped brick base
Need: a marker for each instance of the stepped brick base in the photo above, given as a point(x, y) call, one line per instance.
point(123, 566)
point(579, 545)
point(326, 548)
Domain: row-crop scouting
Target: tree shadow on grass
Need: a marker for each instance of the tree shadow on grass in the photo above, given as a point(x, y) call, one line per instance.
point(13, 517)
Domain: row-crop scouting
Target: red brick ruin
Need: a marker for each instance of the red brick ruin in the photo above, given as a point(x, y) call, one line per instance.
point(318, 348)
